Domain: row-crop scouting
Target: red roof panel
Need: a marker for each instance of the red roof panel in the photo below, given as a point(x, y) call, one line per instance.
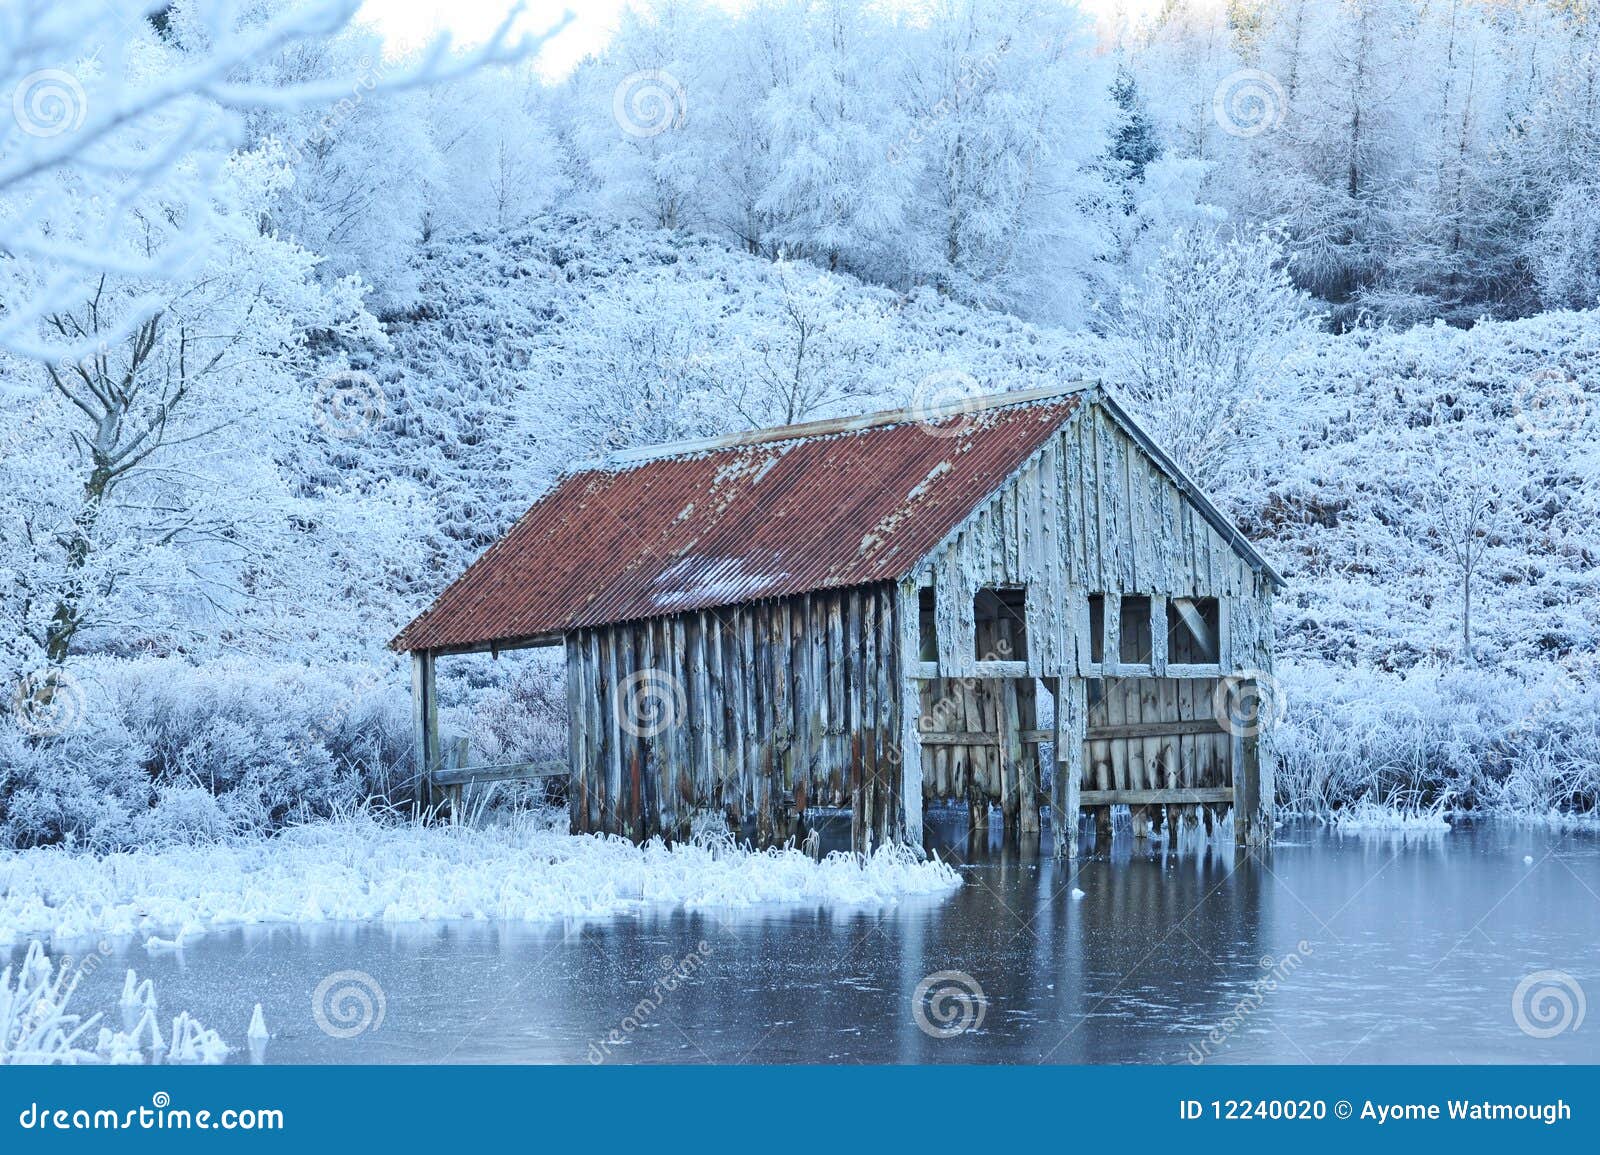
point(719, 526)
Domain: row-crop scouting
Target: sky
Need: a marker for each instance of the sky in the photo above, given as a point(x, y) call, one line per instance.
point(407, 24)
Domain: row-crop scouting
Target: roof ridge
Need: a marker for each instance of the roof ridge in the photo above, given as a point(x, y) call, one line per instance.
point(834, 426)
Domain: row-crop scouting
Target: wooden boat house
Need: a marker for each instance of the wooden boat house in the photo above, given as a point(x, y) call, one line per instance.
point(1020, 603)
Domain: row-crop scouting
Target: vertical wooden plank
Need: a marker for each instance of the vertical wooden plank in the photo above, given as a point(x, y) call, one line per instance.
point(821, 754)
point(424, 723)
point(759, 795)
point(895, 767)
point(953, 619)
point(1111, 633)
point(838, 708)
point(865, 630)
point(849, 652)
point(1116, 715)
point(1071, 722)
point(706, 787)
point(618, 737)
point(1225, 650)
point(575, 731)
point(720, 711)
point(1158, 635)
point(800, 725)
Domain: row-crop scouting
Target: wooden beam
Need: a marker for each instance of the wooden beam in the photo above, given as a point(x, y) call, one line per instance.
point(499, 772)
point(1155, 729)
point(1000, 669)
point(1189, 796)
point(498, 646)
point(979, 737)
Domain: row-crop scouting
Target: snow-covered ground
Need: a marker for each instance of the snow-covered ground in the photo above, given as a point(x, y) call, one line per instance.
point(525, 868)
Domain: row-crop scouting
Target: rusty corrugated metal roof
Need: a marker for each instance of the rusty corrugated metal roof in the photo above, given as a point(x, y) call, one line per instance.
point(779, 512)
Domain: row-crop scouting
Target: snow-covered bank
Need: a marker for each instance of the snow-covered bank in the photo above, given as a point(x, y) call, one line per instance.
point(361, 869)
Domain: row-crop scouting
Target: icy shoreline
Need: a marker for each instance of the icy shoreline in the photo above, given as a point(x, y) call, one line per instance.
point(359, 869)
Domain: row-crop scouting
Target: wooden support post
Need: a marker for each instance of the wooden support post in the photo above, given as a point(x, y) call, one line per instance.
point(460, 753)
point(424, 724)
point(1072, 723)
point(1252, 819)
point(1011, 792)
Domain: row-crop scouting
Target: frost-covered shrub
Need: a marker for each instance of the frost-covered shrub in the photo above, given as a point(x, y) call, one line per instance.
point(1520, 740)
point(166, 751)
point(85, 787)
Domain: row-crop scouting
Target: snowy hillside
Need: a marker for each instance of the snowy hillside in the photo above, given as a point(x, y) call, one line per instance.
point(265, 391)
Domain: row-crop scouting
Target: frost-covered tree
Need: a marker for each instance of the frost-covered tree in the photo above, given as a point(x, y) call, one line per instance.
point(1465, 502)
point(809, 355)
point(1009, 116)
point(836, 193)
point(1196, 340)
point(149, 483)
point(122, 103)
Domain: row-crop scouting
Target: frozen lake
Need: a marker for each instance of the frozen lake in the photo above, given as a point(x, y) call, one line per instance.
point(1361, 949)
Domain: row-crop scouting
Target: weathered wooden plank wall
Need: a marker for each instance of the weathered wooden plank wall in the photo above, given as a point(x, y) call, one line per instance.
point(753, 712)
point(1091, 514)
